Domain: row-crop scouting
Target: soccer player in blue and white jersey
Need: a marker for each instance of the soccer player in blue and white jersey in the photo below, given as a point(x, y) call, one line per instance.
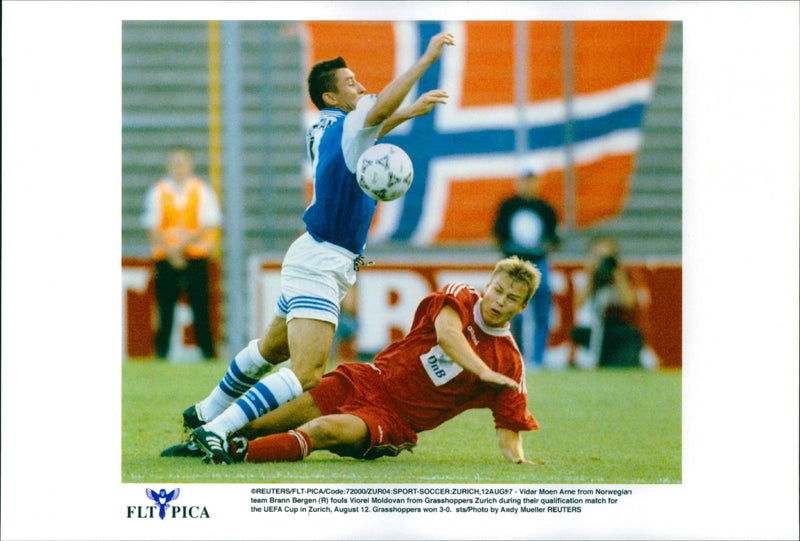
point(320, 266)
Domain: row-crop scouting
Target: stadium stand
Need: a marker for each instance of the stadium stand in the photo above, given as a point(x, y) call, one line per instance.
point(164, 100)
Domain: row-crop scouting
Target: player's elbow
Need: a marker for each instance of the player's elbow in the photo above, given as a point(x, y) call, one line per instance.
point(385, 106)
point(377, 115)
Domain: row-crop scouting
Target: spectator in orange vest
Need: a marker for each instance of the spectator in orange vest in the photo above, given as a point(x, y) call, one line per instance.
point(183, 215)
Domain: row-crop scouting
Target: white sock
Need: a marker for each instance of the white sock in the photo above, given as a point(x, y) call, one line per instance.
point(266, 395)
point(241, 375)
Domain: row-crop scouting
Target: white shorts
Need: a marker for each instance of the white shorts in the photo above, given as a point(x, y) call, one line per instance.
point(315, 277)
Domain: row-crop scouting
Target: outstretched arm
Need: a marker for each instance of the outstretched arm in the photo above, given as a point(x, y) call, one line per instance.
point(395, 92)
point(510, 444)
point(451, 338)
point(422, 106)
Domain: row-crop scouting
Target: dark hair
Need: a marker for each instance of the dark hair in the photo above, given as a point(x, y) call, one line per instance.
point(323, 79)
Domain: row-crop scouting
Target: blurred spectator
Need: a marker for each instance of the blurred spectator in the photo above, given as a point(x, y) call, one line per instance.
point(526, 227)
point(183, 215)
point(606, 332)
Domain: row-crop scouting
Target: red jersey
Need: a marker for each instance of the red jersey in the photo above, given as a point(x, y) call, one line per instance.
point(428, 388)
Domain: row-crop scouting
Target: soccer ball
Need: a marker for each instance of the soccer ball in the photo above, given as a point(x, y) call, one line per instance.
point(384, 172)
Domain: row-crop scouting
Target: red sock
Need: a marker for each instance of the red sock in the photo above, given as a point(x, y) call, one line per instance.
point(286, 447)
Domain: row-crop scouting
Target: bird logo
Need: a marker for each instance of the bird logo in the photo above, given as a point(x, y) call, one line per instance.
point(162, 499)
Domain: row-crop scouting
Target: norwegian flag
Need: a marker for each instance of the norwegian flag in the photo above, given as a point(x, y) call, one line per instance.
point(467, 153)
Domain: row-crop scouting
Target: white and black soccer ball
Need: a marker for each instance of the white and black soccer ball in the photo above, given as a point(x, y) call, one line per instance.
point(384, 172)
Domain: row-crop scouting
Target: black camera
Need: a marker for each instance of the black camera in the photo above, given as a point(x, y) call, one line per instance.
point(604, 273)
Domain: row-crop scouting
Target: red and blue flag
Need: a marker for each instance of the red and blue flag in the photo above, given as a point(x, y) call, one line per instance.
point(468, 152)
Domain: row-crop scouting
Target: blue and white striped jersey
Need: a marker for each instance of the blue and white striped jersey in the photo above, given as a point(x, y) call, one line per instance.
point(340, 213)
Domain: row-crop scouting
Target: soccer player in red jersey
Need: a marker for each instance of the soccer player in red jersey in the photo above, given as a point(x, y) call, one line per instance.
point(459, 355)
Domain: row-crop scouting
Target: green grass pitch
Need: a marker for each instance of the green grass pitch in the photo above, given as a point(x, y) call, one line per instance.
point(608, 426)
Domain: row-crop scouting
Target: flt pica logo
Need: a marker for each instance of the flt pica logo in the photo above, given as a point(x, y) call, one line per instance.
point(162, 508)
point(162, 499)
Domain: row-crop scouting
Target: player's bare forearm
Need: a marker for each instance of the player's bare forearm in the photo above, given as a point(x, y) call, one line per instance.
point(422, 106)
point(452, 341)
point(400, 116)
point(510, 443)
point(395, 92)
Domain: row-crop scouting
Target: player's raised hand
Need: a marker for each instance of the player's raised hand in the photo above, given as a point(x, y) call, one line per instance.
point(436, 45)
point(426, 102)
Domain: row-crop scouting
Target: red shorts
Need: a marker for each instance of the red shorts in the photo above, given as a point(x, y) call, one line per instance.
point(357, 389)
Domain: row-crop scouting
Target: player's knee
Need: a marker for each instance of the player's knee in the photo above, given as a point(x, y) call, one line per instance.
point(310, 378)
point(323, 432)
point(335, 431)
point(274, 352)
point(275, 357)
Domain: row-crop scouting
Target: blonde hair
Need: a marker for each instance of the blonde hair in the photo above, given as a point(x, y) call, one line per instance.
point(520, 270)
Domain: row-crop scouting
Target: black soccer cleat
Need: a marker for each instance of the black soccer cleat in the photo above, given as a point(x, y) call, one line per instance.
point(186, 449)
point(212, 444)
point(191, 419)
point(237, 450)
